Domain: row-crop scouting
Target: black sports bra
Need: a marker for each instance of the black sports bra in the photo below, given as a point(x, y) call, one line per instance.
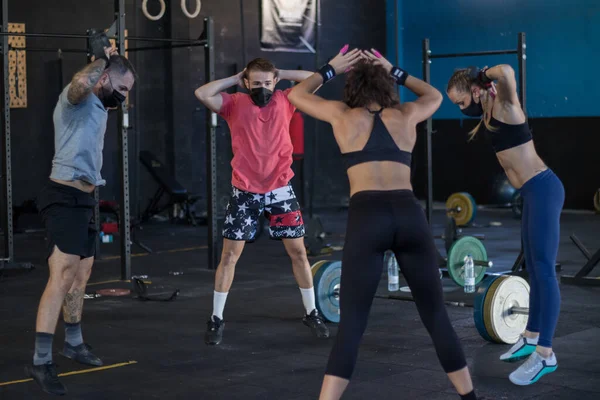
point(379, 147)
point(507, 136)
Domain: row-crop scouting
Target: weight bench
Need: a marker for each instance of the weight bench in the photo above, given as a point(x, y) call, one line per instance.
point(167, 185)
point(581, 278)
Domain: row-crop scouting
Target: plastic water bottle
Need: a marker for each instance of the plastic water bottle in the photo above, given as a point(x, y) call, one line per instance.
point(469, 274)
point(393, 279)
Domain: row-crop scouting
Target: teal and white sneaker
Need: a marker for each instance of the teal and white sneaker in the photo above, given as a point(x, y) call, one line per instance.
point(520, 350)
point(533, 369)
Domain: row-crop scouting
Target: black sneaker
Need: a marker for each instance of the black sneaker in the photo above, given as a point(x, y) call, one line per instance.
point(316, 324)
point(45, 375)
point(81, 354)
point(214, 331)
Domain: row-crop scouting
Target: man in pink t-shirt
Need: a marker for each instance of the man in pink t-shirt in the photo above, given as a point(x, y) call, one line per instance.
point(262, 157)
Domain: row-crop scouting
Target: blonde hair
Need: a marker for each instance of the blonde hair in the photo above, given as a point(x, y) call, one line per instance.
point(461, 82)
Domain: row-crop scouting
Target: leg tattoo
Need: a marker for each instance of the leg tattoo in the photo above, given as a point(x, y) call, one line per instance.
point(73, 306)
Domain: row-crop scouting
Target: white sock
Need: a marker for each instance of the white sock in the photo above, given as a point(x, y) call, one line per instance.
point(308, 298)
point(219, 299)
point(532, 341)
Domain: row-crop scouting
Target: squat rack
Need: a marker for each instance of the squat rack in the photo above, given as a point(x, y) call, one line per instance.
point(206, 40)
point(427, 57)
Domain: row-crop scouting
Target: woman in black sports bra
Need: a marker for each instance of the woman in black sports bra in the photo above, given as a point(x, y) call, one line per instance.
point(492, 95)
point(376, 136)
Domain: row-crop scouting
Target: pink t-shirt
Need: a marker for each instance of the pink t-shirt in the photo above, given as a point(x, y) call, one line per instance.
point(260, 139)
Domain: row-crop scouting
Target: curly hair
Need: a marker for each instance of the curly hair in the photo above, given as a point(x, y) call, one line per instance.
point(367, 83)
point(461, 82)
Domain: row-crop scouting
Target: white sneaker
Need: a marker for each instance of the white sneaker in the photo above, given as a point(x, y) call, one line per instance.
point(533, 369)
point(520, 350)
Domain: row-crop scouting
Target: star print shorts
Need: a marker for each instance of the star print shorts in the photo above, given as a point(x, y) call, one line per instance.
point(280, 207)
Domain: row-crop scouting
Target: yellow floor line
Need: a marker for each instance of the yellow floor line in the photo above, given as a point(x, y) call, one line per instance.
point(83, 371)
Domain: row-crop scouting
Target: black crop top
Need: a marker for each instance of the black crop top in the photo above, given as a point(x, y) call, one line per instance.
point(379, 147)
point(507, 136)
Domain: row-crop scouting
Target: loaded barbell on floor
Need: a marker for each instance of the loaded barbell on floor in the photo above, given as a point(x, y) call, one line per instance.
point(454, 263)
point(501, 306)
point(462, 207)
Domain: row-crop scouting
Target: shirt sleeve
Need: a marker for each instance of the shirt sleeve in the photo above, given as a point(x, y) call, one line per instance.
point(228, 105)
point(286, 92)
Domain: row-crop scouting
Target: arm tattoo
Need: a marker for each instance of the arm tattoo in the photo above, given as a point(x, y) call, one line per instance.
point(85, 80)
point(73, 306)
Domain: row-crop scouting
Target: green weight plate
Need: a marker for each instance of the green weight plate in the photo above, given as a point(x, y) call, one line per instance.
point(456, 259)
point(597, 201)
point(478, 306)
point(326, 283)
point(503, 294)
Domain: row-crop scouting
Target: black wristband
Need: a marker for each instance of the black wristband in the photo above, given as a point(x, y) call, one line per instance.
point(399, 75)
point(483, 78)
point(327, 72)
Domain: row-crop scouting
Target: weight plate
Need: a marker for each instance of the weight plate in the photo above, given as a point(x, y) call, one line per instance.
point(315, 267)
point(456, 259)
point(468, 208)
point(500, 323)
point(478, 306)
point(597, 200)
point(473, 207)
point(326, 282)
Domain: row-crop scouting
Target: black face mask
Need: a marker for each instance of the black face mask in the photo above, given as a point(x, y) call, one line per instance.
point(474, 109)
point(261, 96)
point(113, 100)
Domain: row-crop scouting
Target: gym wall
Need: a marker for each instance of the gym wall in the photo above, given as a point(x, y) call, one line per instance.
point(165, 117)
point(563, 45)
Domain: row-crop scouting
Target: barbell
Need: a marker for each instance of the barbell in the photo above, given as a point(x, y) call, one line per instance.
point(501, 306)
point(462, 207)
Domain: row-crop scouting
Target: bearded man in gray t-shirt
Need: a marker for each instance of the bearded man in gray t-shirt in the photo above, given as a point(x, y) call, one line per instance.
point(66, 205)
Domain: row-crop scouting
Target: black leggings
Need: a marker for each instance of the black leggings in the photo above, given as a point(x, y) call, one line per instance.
point(389, 220)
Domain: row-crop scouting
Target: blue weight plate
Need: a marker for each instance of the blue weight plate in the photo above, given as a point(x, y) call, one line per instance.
point(478, 307)
point(474, 205)
point(326, 280)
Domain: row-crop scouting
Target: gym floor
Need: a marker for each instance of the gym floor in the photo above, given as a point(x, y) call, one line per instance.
point(155, 350)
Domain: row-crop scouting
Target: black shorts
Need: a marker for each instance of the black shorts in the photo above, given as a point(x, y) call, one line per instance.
point(280, 207)
point(68, 215)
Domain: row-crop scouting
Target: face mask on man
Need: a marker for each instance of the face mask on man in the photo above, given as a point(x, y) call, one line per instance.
point(113, 99)
point(261, 96)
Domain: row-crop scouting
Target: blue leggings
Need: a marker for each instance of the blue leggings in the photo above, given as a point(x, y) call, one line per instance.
point(543, 199)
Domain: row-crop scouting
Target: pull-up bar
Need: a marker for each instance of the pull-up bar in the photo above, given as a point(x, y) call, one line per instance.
point(473, 54)
point(427, 57)
point(82, 36)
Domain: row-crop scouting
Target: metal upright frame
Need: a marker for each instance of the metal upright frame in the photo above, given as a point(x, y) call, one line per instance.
point(211, 151)
point(207, 40)
point(315, 136)
point(427, 57)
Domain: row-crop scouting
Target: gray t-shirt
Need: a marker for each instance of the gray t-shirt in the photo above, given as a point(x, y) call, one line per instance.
point(79, 139)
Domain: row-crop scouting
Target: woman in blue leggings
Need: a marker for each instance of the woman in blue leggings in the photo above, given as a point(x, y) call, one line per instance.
point(492, 95)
